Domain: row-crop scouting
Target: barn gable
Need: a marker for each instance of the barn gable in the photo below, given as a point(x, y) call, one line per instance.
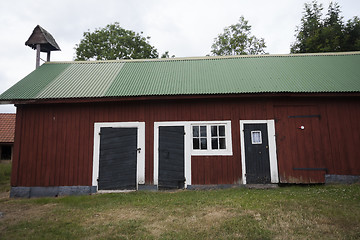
point(186, 123)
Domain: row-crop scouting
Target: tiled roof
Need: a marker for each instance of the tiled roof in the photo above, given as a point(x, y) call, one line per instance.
point(294, 73)
point(7, 127)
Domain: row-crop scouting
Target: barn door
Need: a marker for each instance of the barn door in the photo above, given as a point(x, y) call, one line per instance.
point(303, 144)
point(257, 159)
point(171, 157)
point(118, 158)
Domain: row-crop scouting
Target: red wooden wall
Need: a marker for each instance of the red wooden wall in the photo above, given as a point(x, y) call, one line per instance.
point(54, 142)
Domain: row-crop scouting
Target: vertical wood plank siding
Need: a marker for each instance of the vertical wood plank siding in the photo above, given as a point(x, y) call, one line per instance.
point(54, 142)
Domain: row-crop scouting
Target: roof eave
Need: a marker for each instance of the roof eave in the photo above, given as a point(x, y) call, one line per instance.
point(179, 97)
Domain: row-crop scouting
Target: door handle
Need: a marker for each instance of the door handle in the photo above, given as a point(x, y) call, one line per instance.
point(138, 149)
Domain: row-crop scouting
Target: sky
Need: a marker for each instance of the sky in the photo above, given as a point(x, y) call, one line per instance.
point(185, 28)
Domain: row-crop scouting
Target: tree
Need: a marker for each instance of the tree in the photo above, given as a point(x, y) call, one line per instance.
point(352, 35)
point(113, 43)
point(328, 34)
point(332, 30)
point(166, 55)
point(237, 40)
point(308, 35)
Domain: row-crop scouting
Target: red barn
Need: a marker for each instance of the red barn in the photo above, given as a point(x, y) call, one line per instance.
point(82, 127)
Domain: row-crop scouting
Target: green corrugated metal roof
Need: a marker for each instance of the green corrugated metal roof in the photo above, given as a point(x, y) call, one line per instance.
point(300, 73)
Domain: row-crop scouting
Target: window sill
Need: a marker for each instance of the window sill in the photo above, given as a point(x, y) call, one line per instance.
point(211, 153)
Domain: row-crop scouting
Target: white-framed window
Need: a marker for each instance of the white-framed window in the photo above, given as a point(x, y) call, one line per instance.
point(211, 138)
point(199, 137)
point(256, 137)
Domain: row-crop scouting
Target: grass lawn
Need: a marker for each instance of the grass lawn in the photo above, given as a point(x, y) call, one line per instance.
point(5, 172)
point(308, 212)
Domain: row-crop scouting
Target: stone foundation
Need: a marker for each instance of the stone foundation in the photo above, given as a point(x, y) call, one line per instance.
point(29, 192)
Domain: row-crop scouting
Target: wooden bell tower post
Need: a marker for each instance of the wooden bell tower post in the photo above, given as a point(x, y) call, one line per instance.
point(42, 41)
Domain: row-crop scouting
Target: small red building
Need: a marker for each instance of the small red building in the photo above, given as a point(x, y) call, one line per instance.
point(7, 132)
point(82, 127)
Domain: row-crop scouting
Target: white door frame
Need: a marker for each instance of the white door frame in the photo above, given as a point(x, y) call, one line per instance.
point(272, 148)
point(140, 173)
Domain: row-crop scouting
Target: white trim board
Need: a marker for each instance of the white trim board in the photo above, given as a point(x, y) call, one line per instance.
point(140, 175)
point(272, 148)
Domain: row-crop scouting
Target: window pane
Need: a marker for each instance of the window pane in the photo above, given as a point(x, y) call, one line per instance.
point(203, 143)
point(196, 144)
point(5, 152)
point(214, 131)
point(222, 131)
point(222, 143)
point(256, 137)
point(214, 143)
point(195, 131)
point(202, 131)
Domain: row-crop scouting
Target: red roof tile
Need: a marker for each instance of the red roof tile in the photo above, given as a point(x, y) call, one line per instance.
point(7, 127)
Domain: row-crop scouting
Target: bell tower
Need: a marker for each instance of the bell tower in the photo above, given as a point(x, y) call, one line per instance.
point(42, 41)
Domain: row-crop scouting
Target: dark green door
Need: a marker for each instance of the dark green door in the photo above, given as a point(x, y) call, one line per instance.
point(118, 158)
point(257, 159)
point(171, 157)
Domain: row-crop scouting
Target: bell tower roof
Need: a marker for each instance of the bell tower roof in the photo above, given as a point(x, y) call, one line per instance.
point(44, 39)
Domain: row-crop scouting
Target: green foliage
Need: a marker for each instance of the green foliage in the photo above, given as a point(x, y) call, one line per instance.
point(114, 43)
point(5, 174)
point(166, 55)
point(328, 34)
point(237, 40)
point(352, 35)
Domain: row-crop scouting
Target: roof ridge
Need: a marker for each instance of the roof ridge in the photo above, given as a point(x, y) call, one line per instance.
point(207, 58)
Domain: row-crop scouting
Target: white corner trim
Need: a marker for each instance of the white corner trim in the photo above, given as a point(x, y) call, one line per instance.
point(140, 142)
point(272, 152)
point(272, 148)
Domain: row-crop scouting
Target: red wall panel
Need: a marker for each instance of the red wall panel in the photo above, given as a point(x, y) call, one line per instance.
point(54, 142)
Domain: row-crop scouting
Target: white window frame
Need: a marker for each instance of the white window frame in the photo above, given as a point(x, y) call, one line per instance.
point(272, 148)
point(140, 173)
point(252, 139)
point(209, 151)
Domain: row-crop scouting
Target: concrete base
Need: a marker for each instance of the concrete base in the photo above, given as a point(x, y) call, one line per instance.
point(216, 186)
point(261, 186)
point(114, 191)
point(341, 179)
point(29, 192)
point(145, 187)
